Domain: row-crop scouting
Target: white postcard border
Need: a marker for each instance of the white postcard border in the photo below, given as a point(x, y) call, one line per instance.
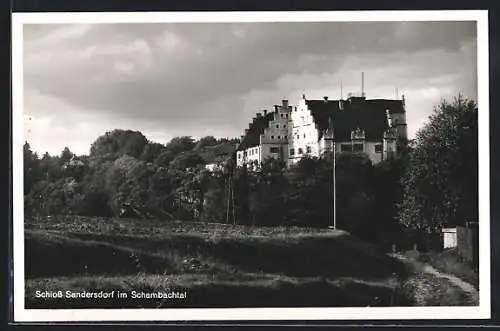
point(483, 311)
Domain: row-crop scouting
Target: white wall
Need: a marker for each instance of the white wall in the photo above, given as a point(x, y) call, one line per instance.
point(449, 237)
point(399, 122)
point(375, 157)
point(240, 158)
point(276, 135)
point(389, 146)
point(303, 133)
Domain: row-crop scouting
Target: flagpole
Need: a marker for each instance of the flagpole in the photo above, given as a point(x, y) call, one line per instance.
point(334, 190)
point(334, 225)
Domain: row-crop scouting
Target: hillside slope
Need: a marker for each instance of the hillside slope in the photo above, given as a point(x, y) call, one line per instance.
point(217, 265)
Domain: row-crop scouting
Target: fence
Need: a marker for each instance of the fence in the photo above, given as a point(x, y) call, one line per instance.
point(468, 243)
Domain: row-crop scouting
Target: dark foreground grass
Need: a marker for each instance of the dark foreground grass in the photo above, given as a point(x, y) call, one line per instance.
point(205, 291)
point(235, 266)
point(332, 256)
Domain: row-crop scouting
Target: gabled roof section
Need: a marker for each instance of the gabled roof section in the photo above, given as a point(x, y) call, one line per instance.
point(256, 128)
point(368, 115)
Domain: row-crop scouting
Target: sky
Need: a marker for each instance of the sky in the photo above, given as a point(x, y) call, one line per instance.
point(199, 79)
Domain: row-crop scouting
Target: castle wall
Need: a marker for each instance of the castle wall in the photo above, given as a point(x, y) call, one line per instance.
point(293, 134)
point(303, 133)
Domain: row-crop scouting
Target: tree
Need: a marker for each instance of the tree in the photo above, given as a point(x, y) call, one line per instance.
point(32, 172)
point(187, 160)
point(152, 151)
point(441, 184)
point(115, 143)
point(180, 144)
point(206, 141)
point(66, 155)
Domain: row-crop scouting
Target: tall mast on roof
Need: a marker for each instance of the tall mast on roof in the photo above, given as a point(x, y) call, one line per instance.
point(362, 84)
point(341, 92)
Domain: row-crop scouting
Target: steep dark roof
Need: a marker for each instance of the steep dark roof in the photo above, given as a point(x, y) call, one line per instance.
point(368, 115)
point(256, 128)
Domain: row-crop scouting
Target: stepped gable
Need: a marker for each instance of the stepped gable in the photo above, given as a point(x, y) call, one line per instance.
point(256, 128)
point(368, 115)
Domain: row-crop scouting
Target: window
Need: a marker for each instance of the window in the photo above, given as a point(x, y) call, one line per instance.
point(245, 153)
point(279, 137)
point(272, 137)
point(292, 152)
point(308, 149)
point(239, 156)
point(277, 125)
point(304, 135)
point(358, 147)
point(274, 150)
point(346, 148)
point(298, 137)
point(378, 148)
point(300, 151)
point(284, 126)
point(286, 137)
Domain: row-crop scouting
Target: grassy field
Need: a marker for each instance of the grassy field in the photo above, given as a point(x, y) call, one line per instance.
point(216, 265)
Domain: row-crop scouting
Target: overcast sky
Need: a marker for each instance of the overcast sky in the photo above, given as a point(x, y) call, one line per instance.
point(167, 80)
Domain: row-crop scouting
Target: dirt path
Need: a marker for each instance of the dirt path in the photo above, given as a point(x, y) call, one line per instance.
point(464, 286)
point(471, 291)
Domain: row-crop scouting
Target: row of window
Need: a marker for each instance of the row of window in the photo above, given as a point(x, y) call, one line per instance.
point(300, 151)
point(279, 137)
point(278, 126)
point(358, 148)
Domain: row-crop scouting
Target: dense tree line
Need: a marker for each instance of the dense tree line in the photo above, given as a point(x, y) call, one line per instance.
point(441, 183)
point(435, 184)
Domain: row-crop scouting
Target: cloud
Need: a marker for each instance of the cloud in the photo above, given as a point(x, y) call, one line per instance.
point(210, 78)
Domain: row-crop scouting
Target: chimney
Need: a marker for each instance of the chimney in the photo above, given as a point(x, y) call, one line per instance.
point(259, 115)
point(341, 104)
point(265, 112)
point(276, 107)
point(325, 98)
point(284, 103)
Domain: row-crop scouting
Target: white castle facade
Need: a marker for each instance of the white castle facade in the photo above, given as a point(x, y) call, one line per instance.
point(311, 127)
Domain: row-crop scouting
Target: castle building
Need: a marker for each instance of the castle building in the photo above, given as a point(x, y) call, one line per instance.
point(357, 124)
